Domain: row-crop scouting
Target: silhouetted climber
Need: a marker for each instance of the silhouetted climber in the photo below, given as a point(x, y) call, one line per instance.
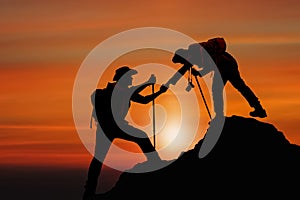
point(111, 107)
point(204, 55)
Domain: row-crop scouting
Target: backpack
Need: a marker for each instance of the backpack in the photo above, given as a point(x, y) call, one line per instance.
point(101, 103)
point(218, 44)
point(214, 47)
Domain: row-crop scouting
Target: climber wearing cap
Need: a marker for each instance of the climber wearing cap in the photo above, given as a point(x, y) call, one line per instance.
point(210, 54)
point(111, 107)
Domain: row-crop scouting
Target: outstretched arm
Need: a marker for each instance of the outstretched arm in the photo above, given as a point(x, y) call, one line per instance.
point(175, 78)
point(141, 87)
point(136, 97)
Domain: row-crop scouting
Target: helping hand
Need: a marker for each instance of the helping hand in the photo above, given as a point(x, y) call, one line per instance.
point(163, 88)
point(152, 79)
point(195, 72)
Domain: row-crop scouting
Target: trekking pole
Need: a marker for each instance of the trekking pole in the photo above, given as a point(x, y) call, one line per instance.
point(153, 115)
point(203, 97)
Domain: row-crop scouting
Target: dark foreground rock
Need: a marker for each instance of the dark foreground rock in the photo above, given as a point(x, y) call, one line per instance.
point(251, 159)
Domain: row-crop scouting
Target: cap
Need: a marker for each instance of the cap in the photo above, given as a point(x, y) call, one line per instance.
point(122, 71)
point(180, 56)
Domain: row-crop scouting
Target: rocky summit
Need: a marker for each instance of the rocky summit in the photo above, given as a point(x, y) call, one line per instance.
point(251, 160)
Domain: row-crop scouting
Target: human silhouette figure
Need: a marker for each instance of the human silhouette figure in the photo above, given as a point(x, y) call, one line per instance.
point(204, 55)
point(110, 116)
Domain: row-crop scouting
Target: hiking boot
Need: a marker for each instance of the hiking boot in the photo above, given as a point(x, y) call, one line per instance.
point(258, 112)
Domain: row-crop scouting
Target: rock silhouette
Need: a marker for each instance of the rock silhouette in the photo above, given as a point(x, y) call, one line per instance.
point(252, 159)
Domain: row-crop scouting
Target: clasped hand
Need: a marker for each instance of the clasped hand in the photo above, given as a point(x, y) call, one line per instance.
point(152, 80)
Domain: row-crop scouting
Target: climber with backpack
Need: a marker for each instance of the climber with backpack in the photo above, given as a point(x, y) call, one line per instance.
point(210, 56)
point(110, 107)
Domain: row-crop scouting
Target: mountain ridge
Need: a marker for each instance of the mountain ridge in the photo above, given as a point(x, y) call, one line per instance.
point(250, 159)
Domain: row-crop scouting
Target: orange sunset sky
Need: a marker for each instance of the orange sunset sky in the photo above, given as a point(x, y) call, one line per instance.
point(43, 44)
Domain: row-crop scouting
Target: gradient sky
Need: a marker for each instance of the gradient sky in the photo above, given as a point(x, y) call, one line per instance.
point(43, 44)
